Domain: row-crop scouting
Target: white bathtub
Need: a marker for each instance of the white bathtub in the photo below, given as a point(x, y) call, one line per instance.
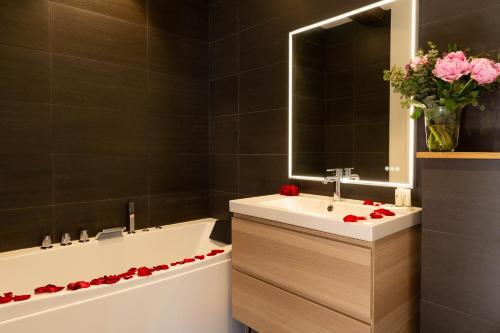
point(190, 298)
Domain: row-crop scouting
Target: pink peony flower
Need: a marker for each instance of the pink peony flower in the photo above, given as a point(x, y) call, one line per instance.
point(415, 62)
point(452, 67)
point(484, 71)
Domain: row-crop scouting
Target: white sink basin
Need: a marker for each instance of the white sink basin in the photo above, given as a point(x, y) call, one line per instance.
point(310, 211)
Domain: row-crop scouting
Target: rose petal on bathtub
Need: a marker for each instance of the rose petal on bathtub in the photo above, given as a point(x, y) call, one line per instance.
point(78, 285)
point(8, 294)
point(97, 282)
point(200, 257)
point(6, 299)
point(375, 215)
point(160, 268)
point(215, 252)
point(111, 279)
point(361, 218)
point(19, 298)
point(368, 203)
point(50, 288)
point(188, 260)
point(128, 277)
point(144, 271)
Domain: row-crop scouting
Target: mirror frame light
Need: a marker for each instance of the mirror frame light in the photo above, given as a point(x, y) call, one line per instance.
point(411, 122)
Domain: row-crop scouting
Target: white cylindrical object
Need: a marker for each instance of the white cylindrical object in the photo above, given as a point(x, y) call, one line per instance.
point(407, 197)
point(398, 197)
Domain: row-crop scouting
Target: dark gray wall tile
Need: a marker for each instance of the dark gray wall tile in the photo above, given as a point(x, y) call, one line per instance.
point(24, 227)
point(129, 10)
point(224, 96)
point(264, 88)
point(177, 94)
point(461, 272)
point(83, 82)
point(178, 207)
point(177, 173)
point(25, 127)
point(440, 319)
point(184, 17)
point(24, 74)
point(25, 23)
point(265, 44)
point(371, 137)
point(262, 174)
point(462, 197)
point(224, 135)
point(464, 30)
point(85, 34)
point(98, 131)
point(26, 180)
point(431, 10)
point(264, 132)
point(224, 57)
point(91, 177)
point(252, 12)
point(223, 19)
point(224, 173)
point(177, 55)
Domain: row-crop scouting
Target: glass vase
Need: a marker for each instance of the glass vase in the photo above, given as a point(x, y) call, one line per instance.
point(442, 127)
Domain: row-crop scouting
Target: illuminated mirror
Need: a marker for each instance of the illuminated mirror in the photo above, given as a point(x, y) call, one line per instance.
point(342, 113)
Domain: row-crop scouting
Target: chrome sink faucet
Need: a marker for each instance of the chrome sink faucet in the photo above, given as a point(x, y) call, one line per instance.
point(338, 176)
point(335, 178)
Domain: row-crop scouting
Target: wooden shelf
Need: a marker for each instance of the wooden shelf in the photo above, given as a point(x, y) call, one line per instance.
point(461, 155)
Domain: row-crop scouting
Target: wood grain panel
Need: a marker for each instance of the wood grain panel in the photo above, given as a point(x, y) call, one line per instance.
point(334, 274)
point(269, 309)
point(396, 282)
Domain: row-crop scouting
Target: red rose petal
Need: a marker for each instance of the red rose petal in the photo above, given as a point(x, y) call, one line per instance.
point(350, 218)
point(144, 271)
point(19, 298)
point(128, 277)
point(97, 282)
point(376, 215)
point(111, 279)
point(215, 252)
point(50, 288)
point(6, 299)
point(384, 211)
point(368, 203)
point(200, 257)
point(160, 268)
point(78, 285)
point(188, 260)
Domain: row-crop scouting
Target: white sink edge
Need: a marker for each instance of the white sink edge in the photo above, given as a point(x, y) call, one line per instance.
point(376, 230)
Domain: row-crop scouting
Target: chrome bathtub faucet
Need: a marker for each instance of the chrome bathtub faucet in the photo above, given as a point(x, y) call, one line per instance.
point(84, 236)
point(131, 217)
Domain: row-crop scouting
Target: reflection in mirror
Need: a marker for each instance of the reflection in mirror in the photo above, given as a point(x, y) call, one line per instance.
point(342, 113)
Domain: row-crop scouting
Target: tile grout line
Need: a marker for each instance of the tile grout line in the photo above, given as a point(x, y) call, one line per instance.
point(148, 157)
point(238, 96)
point(210, 158)
point(51, 101)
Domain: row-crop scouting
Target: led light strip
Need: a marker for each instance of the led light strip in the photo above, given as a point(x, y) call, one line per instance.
point(411, 122)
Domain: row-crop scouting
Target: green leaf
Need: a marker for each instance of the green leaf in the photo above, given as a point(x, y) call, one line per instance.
point(417, 112)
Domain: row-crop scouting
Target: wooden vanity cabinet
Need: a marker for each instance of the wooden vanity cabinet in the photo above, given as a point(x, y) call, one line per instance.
point(293, 279)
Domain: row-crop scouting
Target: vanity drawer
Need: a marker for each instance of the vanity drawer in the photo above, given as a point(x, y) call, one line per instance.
point(331, 273)
point(269, 309)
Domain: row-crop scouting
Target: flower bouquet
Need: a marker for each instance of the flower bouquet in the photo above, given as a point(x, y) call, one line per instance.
point(440, 87)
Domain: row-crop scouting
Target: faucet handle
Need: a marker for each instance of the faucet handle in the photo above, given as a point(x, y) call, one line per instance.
point(336, 172)
point(66, 239)
point(84, 236)
point(349, 175)
point(46, 243)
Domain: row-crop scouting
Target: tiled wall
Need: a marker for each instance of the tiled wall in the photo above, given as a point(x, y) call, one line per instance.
point(101, 103)
point(460, 262)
